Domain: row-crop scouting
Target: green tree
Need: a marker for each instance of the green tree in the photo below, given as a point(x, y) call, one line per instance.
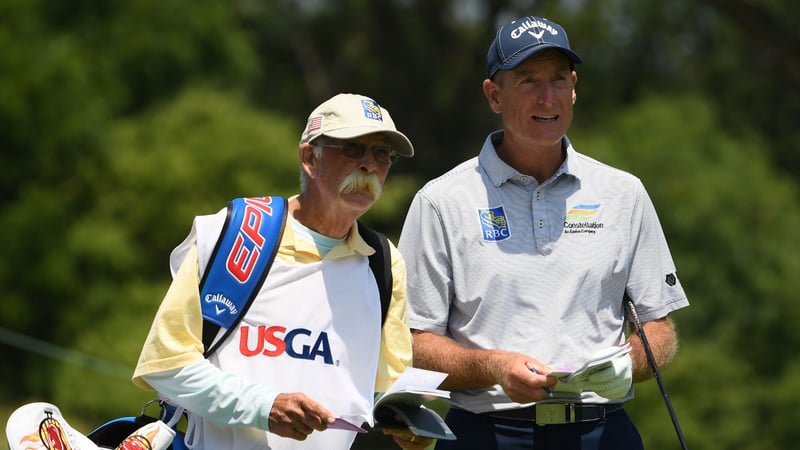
point(67, 73)
point(118, 118)
point(722, 207)
point(188, 157)
point(718, 197)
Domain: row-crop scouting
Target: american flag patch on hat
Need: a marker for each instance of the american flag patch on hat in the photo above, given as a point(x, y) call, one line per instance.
point(314, 124)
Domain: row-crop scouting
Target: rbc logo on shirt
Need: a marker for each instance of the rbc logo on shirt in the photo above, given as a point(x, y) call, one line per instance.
point(275, 340)
point(494, 226)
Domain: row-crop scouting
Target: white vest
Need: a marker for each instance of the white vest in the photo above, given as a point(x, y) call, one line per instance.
point(313, 328)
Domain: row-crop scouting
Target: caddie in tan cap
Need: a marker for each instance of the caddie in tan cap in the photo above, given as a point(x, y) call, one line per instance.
point(347, 116)
point(305, 303)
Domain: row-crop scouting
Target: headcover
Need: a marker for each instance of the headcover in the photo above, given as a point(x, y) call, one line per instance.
point(41, 426)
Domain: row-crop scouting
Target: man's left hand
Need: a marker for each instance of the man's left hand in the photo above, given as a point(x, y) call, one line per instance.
point(611, 381)
point(408, 440)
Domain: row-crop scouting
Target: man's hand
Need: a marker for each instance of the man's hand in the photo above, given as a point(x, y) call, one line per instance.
point(523, 378)
point(296, 416)
point(470, 368)
point(408, 440)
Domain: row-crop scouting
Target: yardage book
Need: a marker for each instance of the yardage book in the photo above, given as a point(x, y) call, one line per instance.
point(403, 406)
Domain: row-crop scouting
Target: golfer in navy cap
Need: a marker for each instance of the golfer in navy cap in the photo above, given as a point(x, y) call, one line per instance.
point(519, 259)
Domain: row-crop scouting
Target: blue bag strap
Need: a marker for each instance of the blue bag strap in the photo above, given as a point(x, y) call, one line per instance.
point(239, 263)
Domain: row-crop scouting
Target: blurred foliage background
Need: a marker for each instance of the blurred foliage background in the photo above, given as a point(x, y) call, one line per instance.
point(122, 120)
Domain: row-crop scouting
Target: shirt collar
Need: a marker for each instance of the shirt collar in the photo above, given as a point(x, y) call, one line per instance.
point(352, 245)
point(499, 172)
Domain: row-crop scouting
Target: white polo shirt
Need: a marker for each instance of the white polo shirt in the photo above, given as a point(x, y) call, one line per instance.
point(496, 260)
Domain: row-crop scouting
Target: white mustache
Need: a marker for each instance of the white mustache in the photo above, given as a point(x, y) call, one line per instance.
point(358, 182)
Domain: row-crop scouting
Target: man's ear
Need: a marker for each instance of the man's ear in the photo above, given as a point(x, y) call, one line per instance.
point(492, 92)
point(308, 159)
point(574, 82)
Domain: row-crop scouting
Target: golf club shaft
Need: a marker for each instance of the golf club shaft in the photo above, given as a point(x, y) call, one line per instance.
point(652, 360)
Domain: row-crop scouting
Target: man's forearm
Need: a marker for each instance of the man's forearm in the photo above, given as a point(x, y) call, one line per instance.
point(205, 390)
point(467, 368)
point(663, 342)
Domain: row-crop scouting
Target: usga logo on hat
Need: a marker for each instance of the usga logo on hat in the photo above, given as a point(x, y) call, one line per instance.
point(348, 116)
point(518, 40)
point(371, 109)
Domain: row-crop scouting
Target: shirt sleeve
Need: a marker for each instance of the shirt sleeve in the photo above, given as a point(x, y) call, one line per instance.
point(396, 343)
point(653, 283)
point(175, 336)
point(172, 361)
point(424, 244)
point(205, 390)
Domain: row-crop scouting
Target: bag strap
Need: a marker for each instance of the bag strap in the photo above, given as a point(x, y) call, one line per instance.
point(380, 263)
point(237, 267)
point(239, 264)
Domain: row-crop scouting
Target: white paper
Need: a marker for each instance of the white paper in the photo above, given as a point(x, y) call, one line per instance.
point(596, 361)
point(414, 387)
point(418, 381)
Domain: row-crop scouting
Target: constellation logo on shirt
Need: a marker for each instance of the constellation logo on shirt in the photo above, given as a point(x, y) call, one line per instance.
point(494, 225)
point(578, 219)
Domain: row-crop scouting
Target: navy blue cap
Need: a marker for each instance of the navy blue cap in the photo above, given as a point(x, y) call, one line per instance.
point(518, 40)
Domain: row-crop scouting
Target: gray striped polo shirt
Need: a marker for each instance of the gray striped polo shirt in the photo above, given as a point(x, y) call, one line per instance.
point(496, 260)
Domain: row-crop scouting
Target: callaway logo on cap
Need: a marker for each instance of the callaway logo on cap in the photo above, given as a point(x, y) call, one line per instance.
point(517, 41)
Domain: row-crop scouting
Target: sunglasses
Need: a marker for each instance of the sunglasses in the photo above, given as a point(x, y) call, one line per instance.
point(382, 153)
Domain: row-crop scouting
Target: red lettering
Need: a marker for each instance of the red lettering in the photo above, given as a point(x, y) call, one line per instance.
point(275, 340)
point(240, 261)
point(244, 338)
point(269, 337)
point(275, 346)
point(252, 222)
point(262, 203)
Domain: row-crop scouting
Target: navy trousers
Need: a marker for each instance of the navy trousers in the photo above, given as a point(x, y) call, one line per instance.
point(482, 432)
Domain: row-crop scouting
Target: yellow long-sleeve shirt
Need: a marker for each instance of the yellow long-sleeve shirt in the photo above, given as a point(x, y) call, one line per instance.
point(175, 337)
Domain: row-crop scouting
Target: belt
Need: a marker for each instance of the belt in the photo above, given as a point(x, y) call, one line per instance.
point(557, 413)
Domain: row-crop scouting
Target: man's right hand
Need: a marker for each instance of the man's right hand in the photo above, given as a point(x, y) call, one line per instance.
point(471, 368)
point(522, 377)
point(296, 416)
